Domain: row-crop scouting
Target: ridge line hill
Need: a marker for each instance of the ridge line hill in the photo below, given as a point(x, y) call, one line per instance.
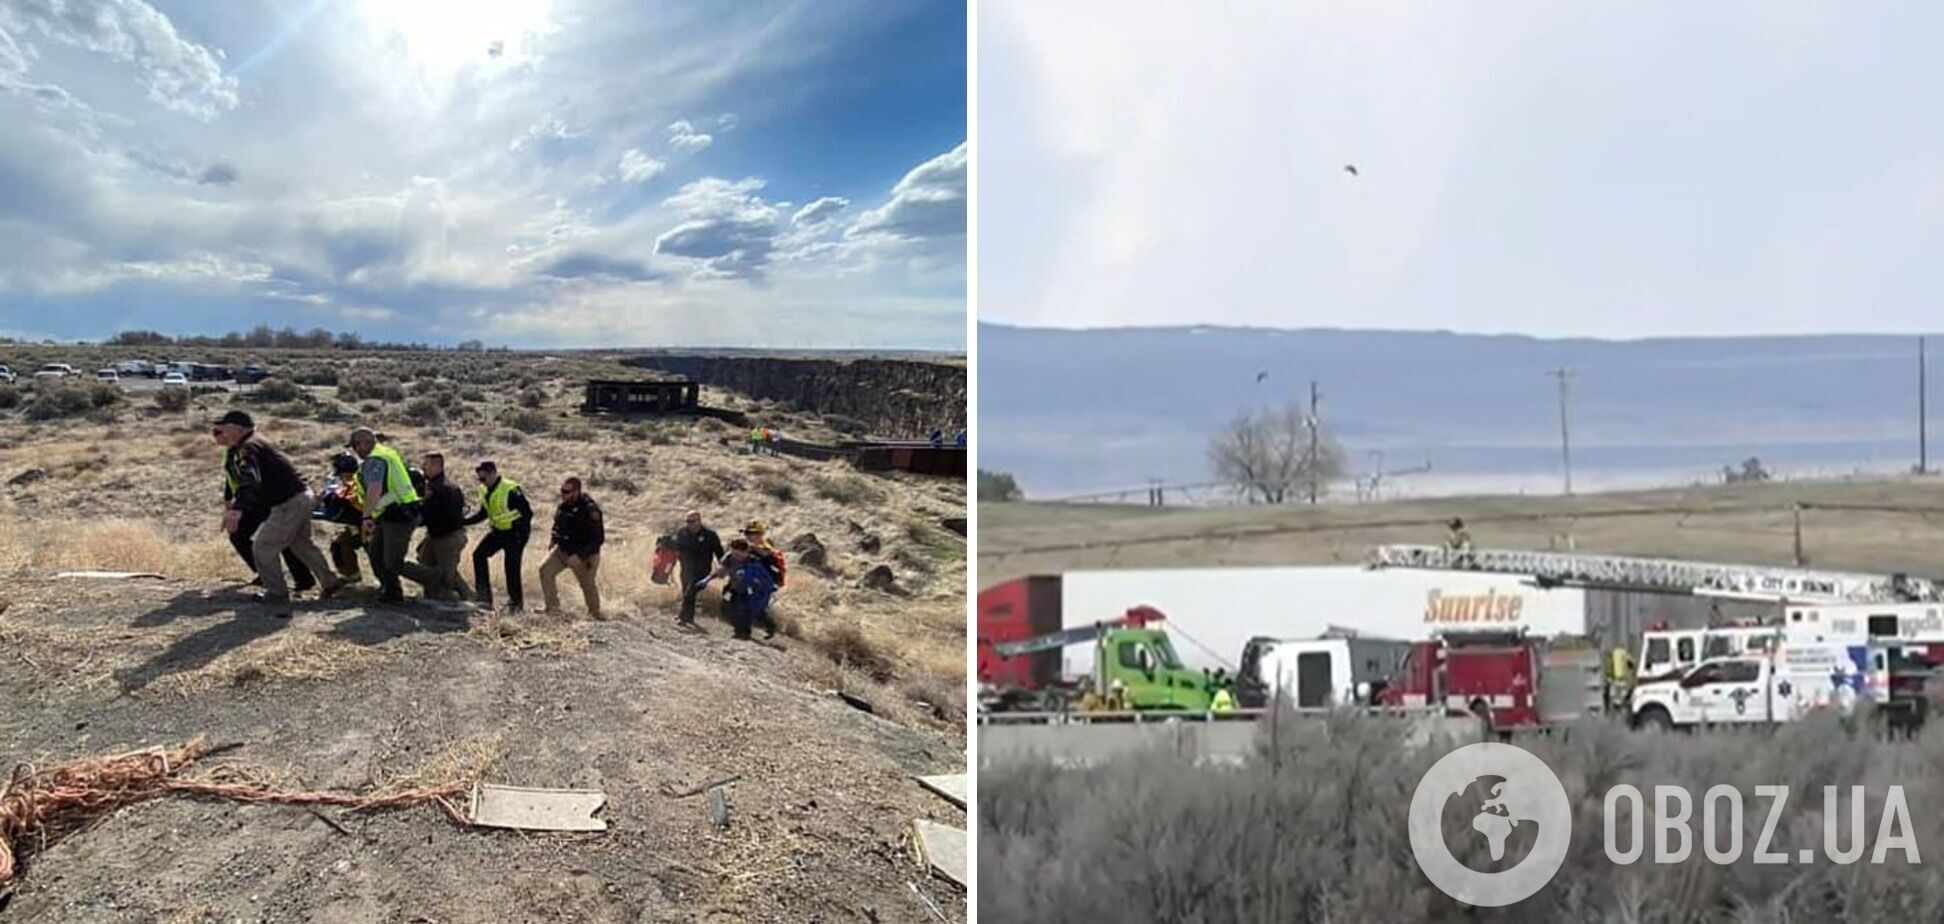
point(351, 696)
point(1881, 525)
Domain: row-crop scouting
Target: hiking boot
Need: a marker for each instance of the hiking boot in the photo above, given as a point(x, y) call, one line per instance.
point(330, 590)
point(742, 637)
point(277, 604)
point(392, 599)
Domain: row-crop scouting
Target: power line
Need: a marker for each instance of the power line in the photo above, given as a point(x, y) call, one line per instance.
point(1565, 436)
point(1314, 460)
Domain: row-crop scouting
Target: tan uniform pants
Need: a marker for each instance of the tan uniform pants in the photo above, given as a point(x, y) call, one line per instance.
point(584, 572)
point(289, 527)
point(441, 556)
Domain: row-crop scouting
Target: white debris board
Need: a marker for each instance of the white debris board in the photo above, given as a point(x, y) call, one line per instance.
point(943, 848)
point(537, 809)
point(952, 788)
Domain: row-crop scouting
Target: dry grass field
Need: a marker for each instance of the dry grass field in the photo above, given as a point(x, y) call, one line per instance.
point(133, 483)
point(1894, 525)
point(1313, 829)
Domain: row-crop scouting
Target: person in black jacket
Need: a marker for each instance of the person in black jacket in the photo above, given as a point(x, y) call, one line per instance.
point(698, 548)
point(502, 503)
point(444, 515)
point(577, 537)
point(266, 481)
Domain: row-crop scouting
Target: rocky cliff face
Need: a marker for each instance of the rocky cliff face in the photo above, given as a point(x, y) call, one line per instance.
point(890, 397)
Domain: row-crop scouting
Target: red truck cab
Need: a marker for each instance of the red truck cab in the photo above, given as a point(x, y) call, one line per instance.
point(1015, 611)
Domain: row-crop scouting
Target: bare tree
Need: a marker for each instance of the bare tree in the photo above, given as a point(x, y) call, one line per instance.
point(1271, 455)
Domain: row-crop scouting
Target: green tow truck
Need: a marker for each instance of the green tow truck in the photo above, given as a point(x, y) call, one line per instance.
point(1135, 669)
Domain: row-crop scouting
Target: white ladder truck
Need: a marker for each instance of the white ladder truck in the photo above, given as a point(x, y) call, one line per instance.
point(1665, 575)
point(1812, 606)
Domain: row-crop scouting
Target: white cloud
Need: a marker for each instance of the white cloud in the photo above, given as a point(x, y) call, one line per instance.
point(637, 167)
point(928, 203)
point(819, 211)
point(13, 58)
point(178, 73)
point(549, 128)
point(198, 266)
point(725, 226)
point(683, 136)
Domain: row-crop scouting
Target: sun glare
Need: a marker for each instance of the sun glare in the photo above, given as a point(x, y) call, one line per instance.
point(444, 38)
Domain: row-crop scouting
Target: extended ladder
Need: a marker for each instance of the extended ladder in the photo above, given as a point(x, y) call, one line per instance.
point(1796, 585)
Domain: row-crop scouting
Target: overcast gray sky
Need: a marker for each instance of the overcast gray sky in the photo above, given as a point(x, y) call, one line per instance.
point(1601, 169)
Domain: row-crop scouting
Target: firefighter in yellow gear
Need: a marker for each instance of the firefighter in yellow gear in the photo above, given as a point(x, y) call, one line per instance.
point(1620, 676)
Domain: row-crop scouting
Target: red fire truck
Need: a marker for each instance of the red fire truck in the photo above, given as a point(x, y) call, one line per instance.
point(1506, 678)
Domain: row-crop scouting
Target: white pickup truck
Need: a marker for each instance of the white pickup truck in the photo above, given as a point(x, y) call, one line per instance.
point(1779, 685)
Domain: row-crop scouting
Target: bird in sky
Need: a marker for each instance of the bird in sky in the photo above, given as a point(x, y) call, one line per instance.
point(1260, 376)
point(1350, 169)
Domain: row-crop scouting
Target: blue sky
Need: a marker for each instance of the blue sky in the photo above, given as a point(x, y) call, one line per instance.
point(1593, 168)
point(528, 172)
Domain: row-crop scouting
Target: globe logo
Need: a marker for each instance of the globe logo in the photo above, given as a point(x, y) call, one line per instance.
point(1490, 824)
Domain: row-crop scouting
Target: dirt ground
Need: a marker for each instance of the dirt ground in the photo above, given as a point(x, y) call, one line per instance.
point(352, 696)
point(344, 695)
point(1880, 526)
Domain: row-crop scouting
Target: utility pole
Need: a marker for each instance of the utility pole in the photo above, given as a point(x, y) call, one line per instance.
point(1565, 434)
point(1314, 457)
point(1923, 415)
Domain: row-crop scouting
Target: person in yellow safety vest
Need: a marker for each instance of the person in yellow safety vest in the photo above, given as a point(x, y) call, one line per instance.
point(1224, 700)
point(504, 504)
point(391, 513)
point(755, 440)
point(1620, 676)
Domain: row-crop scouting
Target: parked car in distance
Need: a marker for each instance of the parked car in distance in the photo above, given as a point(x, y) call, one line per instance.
point(175, 380)
point(55, 371)
point(252, 374)
point(108, 375)
point(7, 375)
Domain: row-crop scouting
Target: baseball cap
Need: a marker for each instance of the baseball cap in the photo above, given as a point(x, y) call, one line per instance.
point(236, 418)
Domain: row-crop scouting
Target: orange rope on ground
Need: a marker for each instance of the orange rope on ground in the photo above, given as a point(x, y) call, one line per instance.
point(42, 804)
